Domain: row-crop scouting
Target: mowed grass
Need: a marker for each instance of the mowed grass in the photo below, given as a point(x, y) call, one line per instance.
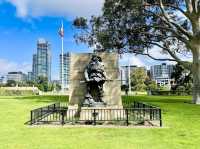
point(181, 121)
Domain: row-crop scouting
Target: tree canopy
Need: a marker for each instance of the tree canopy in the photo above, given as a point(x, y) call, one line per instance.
point(136, 26)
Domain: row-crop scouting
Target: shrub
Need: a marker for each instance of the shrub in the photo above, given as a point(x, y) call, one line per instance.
point(4, 92)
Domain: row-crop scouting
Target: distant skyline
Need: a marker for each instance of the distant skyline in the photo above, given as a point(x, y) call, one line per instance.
point(24, 21)
point(19, 35)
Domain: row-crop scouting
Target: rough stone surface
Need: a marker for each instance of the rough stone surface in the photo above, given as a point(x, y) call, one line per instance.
point(112, 90)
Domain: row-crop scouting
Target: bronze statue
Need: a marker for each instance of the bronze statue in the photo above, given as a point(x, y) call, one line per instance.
point(95, 78)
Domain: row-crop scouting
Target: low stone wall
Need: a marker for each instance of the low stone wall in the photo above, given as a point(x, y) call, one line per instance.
point(20, 88)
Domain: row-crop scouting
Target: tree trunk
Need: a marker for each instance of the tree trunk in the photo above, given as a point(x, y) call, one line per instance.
point(195, 47)
point(196, 75)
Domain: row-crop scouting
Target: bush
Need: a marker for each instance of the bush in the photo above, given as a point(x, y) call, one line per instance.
point(4, 92)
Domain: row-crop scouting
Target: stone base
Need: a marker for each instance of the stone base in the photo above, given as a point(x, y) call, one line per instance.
point(102, 113)
point(72, 112)
point(94, 104)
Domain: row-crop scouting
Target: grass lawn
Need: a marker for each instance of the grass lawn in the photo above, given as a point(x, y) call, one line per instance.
point(181, 130)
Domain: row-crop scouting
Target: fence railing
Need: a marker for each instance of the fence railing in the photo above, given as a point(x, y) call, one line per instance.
point(139, 113)
point(154, 112)
point(43, 112)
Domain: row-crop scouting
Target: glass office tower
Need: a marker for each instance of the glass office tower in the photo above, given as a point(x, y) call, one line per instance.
point(43, 63)
point(66, 70)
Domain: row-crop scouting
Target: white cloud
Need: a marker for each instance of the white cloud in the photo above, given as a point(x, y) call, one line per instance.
point(132, 59)
point(6, 66)
point(141, 60)
point(62, 8)
point(157, 53)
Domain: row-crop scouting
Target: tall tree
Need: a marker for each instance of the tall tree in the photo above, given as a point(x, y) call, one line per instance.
point(11, 83)
point(136, 26)
point(138, 78)
point(43, 84)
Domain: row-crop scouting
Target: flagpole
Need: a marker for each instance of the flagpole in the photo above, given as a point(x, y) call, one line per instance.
point(129, 75)
point(62, 72)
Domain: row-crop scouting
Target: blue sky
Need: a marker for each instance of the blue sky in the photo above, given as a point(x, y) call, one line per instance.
point(22, 22)
point(19, 36)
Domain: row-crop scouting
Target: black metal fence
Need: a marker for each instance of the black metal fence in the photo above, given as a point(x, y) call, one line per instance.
point(43, 112)
point(139, 113)
point(153, 112)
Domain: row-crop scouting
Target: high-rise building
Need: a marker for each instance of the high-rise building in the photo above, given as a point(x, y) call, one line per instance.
point(16, 76)
point(34, 67)
point(162, 74)
point(66, 70)
point(30, 76)
point(43, 59)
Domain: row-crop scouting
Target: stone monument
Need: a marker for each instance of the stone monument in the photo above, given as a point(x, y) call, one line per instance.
point(94, 83)
point(98, 72)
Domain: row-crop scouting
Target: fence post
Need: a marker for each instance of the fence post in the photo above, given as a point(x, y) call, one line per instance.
point(54, 107)
point(31, 117)
point(94, 115)
point(160, 117)
point(144, 110)
point(151, 113)
point(62, 117)
point(126, 116)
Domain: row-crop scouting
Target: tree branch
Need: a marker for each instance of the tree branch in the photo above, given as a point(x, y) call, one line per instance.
point(171, 6)
point(186, 64)
point(150, 56)
point(172, 24)
point(195, 6)
point(170, 28)
point(189, 6)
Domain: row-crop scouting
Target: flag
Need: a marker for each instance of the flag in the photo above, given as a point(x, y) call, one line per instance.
point(61, 31)
point(120, 52)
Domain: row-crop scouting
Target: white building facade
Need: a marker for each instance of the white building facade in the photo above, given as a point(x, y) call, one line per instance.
point(162, 74)
point(16, 76)
point(65, 74)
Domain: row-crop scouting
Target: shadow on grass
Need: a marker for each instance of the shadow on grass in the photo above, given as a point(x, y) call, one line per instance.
point(148, 99)
point(159, 99)
point(47, 99)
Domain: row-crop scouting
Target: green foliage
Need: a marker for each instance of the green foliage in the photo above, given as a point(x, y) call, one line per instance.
point(151, 84)
point(43, 84)
point(30, 83)
point(11, 83)
point(180, 88)
point(135, 26)
point(80, 22)
point(183, 78)
point(57, 87)
point(4, 92)
point(138, 78)
point(163, 88)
